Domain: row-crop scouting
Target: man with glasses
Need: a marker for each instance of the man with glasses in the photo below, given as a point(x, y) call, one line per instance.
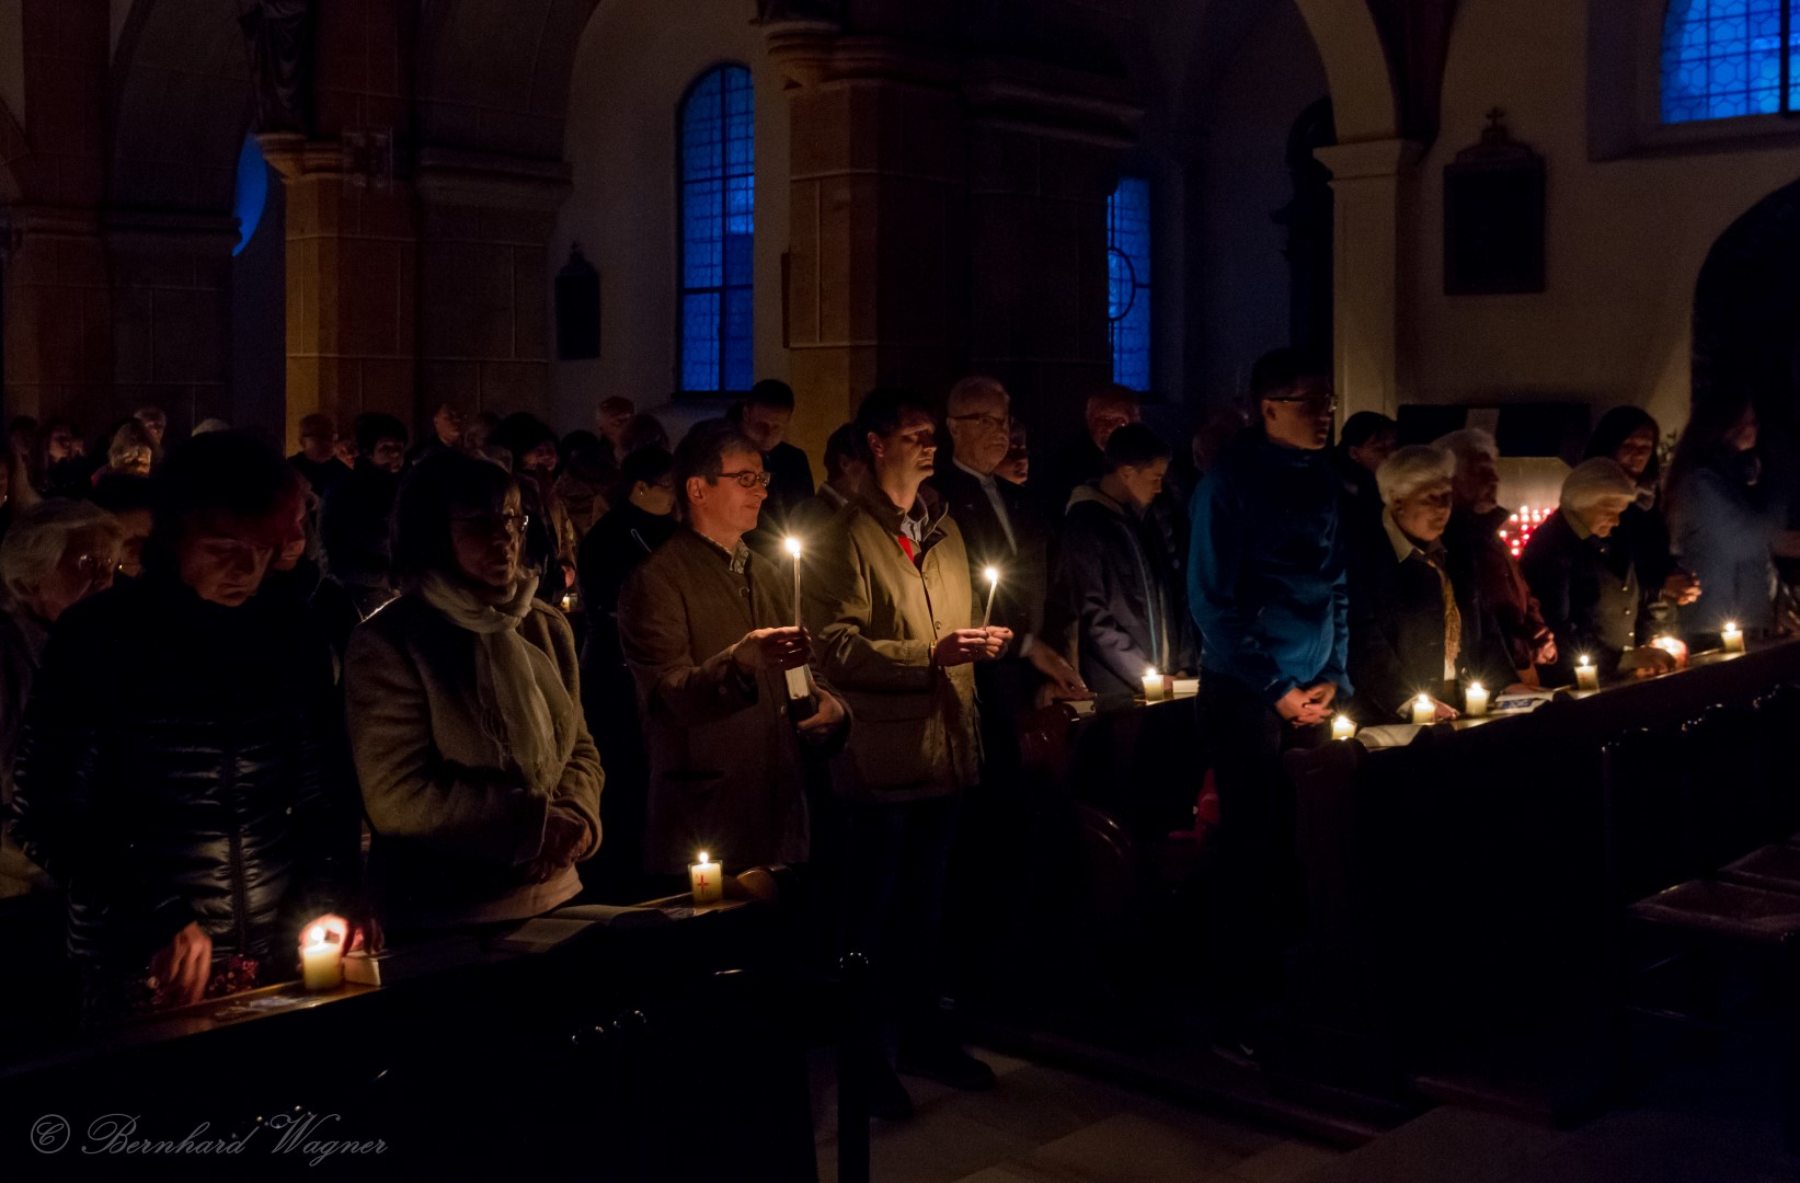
point(899, 630)
point(1107, 409)
point(707, 628)
point(1267, 589)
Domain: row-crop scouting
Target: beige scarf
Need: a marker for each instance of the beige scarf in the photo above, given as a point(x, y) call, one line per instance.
point(515, 681)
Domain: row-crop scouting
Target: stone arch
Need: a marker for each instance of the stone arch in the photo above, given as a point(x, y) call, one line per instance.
point(493, 75)
point(1747, 311)
point(181, 104)
point(1364, 97)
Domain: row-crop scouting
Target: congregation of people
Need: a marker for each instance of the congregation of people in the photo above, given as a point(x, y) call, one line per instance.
point(379, 686)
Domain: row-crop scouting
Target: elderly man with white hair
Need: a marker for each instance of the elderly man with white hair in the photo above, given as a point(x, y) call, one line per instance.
point(1417, 625)
point(1474, 534)
point(1586, 583)
point(56, 554)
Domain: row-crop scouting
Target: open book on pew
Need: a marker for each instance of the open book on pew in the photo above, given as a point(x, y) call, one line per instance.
point(1521, 701)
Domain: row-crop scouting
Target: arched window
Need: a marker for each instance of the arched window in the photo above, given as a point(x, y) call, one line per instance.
point(252, 192)
point(1722, 59)
point(718, 213)
point(1128, 281)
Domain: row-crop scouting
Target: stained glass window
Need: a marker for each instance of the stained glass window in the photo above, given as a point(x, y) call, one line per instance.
point(1724, 58)
point(252, 192)
point(1128, 280)
point(718, 208)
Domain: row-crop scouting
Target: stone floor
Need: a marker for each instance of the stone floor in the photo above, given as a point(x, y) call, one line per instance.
point(1045, 1125)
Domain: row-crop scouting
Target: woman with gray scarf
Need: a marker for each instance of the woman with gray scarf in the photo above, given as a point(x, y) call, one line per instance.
point(481, 782)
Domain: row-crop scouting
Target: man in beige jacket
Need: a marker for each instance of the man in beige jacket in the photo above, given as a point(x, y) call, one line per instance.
point(895, 618)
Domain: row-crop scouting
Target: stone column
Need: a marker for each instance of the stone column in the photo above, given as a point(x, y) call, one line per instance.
point(351, 287)
point(1374, 187)
point(58, 346)
point(484, 287)
point(876, 264)
point(171, 303)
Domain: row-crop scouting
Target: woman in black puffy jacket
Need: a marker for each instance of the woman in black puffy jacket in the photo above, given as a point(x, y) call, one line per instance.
point(183, 773)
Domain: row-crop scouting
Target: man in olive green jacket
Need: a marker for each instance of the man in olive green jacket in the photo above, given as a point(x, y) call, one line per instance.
point(897, 630)
point(707, 626)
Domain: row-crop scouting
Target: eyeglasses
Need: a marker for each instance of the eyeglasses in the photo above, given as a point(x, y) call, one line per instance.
point(508, 522)
point(90, 565)
point(748, 478)
point(1317, 404)
point(991, 422)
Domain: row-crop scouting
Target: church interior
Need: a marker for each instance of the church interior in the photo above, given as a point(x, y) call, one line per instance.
point(1505, 215)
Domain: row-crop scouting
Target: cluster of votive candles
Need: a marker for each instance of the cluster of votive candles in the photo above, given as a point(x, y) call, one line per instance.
point(1518, 529)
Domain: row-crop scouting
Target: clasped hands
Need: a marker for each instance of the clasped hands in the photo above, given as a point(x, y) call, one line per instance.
point(788, 648)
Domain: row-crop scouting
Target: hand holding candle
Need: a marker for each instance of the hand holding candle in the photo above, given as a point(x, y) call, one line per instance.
point(799, 678)
point(707, 880)
point(992, 575)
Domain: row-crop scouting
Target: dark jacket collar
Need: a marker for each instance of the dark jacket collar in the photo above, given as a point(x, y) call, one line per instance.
point(877, 505)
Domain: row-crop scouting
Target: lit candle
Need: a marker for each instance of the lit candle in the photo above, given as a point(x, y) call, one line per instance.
point(1343, 727)
point(708, 880)
point(1153, 685)
point(1424, 711)
point(992, 575)
point(321, 960)
point(799, 684)
point(1475, 700)
point(1733, 637)
point(1675, 647)
point(792, 546)
point(1586, 676)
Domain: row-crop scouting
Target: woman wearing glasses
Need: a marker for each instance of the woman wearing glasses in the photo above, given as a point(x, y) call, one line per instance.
point(478, 775)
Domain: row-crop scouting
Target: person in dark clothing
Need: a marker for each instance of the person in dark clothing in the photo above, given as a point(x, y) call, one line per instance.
point(1367, 438)
point(1629, 437)
point(317, 460)
point(641, 520)
point(1267, 589)
point(131, 500)
point(1417, 624)
point(846, 468)
point(1727, 517)
point(1586, 583)
point(1106, 410)
point(1473, 537)
point(200, 813)
point(446, 434)
point(354, 521)
point(1115, 576)
point(764, 417)
point(550, 541)
point(297, 572)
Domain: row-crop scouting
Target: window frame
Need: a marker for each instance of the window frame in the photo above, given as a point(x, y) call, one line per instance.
point(679, 385)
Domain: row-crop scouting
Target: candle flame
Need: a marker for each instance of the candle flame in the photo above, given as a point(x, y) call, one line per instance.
point(1585, 662)
point(315, 935)
point(992, 575)
point(1731, 626)
point(791, 545)
point(1476, 687)
point(1424, 700)
point(705, 858)
point(1150, 672)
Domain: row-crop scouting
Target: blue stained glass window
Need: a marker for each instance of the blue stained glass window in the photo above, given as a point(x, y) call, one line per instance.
point(1722, 59)
point(252, 192)
point(1128, 280)
point(718, 217)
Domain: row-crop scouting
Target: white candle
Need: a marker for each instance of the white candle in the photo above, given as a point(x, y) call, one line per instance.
point(1153, 685)
point(1733, 637)
point(792, 546)
point(1424, 711)
point(1586, 676)
point(1343, 727)
point(707, 879)
point(1475, 700)
point(992, 575)
point(321, 961)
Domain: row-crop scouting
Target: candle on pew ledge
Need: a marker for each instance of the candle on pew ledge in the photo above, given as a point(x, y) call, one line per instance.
point(1424, 711)
point(1732, 637)
point(1475, 700)
point(1154, 686)
point(321, 960)
point(1343, 727)
point(707, 879)
point(1586, 676)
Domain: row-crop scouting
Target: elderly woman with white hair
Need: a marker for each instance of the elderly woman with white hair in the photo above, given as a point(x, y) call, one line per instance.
point(1417, 625)
point(56, 553)
point(1585, 578)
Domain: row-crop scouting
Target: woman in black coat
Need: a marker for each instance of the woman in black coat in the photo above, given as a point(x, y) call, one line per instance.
point(1629, 437)
point(195, 803)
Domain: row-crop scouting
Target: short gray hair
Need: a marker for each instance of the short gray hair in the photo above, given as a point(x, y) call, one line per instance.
point(971, 390)
point(1468, 443)
point(1592, 481)
point(1411, 468)
point(38, 537)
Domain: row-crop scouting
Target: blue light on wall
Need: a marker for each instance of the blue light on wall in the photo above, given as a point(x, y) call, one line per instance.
point(252, 192)
point(1722, 59)
point(718, 216)
point(1128, 281)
